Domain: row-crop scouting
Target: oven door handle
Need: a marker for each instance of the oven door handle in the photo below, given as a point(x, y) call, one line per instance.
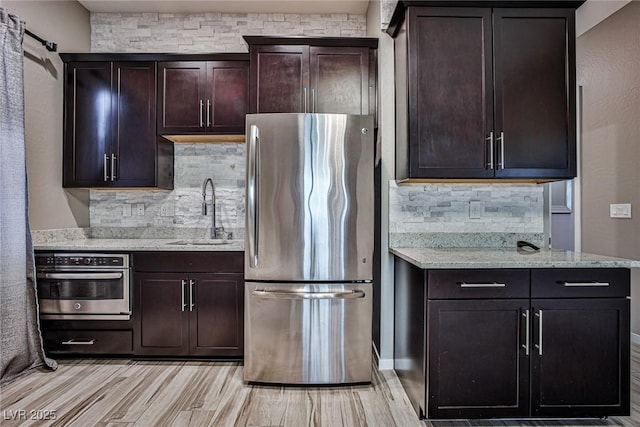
point(80, 276)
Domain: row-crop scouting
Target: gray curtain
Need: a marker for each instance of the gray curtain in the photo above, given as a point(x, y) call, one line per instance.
point(20, 340)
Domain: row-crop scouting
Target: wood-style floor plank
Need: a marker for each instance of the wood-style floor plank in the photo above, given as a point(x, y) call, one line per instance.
point(121, 392)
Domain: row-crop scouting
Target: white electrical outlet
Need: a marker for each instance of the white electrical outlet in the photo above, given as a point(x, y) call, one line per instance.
point(126, 209)
point(139, 209)
point(620, 210)
point(167, 209)
point(476, 208)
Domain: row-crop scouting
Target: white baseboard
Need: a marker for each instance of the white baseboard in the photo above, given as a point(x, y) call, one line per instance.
point(635, 338)
point(383, 364)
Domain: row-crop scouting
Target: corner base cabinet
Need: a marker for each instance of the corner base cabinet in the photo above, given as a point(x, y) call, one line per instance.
point(188, 304)
point(513, 343)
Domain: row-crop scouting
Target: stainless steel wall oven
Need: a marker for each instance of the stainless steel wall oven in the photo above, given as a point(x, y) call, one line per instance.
point(84, 286)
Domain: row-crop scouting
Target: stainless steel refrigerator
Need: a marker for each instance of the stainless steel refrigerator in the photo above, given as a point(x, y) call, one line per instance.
point(309, 248)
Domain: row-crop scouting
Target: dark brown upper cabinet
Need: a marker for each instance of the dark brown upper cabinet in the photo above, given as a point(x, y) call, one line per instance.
point(110, 125)
point(198, 97)
point(485, 93)
point(315, 75)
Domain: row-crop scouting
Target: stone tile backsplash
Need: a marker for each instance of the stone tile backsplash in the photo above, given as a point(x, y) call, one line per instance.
point(439, 214)
point(178, 212)
point(211, 32)
point(182, 207)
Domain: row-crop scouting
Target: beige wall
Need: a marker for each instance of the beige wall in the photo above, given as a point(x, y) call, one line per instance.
point(386, 152)
point(67, 24)
point(608, 64)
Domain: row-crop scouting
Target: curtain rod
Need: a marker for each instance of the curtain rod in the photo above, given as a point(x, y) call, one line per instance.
point(51, 46)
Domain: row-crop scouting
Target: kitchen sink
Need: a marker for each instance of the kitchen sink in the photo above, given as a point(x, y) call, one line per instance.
point(210, 242)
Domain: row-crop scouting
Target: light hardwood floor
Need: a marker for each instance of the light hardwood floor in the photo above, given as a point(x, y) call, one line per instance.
point(120, 392)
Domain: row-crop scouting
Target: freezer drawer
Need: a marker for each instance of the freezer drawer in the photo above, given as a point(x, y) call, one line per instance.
point(308, 333)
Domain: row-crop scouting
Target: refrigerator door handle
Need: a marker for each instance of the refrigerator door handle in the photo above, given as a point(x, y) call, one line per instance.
point(356, 293)
point(252, 194)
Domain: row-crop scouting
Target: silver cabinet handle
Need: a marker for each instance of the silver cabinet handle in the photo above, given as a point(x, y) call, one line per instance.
point(253, 194)
point(183, 283)
point(80, 276)
point(489, 140)
point(201, 112)
point(308, 295)
point(539, 344)
point(208, 112)
point(106, 161)
point(313, 100)
point(585, 284)
point(192, 283)
point(304, 107)
point(527, 326)
point(501, 164)
point(74, 342)
point(482, 285)
point(113, 167)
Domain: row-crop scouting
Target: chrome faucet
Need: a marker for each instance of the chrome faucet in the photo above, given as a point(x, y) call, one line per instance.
point(213, 204)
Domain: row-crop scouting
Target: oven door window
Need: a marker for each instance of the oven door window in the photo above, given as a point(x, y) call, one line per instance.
point(81, 289)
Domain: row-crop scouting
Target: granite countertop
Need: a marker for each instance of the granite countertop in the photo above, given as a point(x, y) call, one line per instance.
point(440, 258)
point(133, 245)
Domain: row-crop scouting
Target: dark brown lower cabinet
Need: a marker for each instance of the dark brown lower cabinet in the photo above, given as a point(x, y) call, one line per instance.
point(580, 357)
point(513, 343)
point(188, 313)
point(478, 367)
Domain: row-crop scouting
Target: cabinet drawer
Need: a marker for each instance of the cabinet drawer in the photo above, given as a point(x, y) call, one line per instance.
point(485, 283)
point(88, 342)
point(580, 282)
point(203, 262)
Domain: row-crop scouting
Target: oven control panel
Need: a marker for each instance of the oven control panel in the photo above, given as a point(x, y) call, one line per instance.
point(82, 260)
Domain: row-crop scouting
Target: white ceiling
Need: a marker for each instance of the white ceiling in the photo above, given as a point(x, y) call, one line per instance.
point(241, 6)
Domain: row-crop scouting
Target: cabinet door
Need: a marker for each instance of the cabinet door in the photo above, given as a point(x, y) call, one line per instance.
point(580, 360)
point(134, 110)
point(87, 124)
point(216, 303)
point(181, 92)
point(279, 79)
point(339, 80)
point(227, 96)
point(534, 56)
point(450, 87)
point(161, 315)
point(477, 358)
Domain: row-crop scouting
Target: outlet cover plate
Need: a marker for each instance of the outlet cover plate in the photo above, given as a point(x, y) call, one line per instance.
point(476, 208)
point(139, 209)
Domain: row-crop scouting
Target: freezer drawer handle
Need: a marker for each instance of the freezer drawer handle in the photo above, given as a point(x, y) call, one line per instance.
point(482, 285)
point(590, 284)
point(309, 295)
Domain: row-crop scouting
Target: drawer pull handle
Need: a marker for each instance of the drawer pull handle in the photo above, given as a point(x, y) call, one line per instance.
point(585, 284)
point(482, 285)
point(74, 342)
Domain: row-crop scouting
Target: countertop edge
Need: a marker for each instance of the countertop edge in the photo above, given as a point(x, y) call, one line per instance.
point(466, 258)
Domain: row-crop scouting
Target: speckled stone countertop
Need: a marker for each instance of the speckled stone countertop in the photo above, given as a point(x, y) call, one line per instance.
point(110, 240)
point(440, 258)
point(134, 245)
